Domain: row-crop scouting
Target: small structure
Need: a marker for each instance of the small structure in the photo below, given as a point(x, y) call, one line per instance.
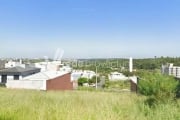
point(16, 73)
point(115, 76)
point(134, 84)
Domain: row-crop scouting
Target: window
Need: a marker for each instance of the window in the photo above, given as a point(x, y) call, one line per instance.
point(16, 77)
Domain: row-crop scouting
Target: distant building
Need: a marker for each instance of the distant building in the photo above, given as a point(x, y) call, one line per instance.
point(11, 64)
point(51, 66)
point(76, 74)
point(169, 69)
point(114, 76)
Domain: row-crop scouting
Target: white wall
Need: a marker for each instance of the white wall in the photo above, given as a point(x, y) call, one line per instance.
point(117, 76)
point(134, 79)
point(10, 77)
point(27, 84)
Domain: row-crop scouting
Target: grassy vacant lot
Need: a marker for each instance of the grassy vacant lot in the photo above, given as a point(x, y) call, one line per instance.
point(80, 105)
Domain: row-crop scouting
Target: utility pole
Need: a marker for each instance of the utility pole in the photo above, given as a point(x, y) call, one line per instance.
point(96, 77)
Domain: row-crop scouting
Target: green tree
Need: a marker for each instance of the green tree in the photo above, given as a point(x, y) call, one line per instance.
point(81, 81)
point(93, 80)
point(158, 88)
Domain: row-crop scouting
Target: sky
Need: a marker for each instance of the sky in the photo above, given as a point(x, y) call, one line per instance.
point(90, 28)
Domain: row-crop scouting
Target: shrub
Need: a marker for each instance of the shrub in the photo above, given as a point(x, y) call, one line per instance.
point(158, 88)
point(81, 81)
point(93, 80)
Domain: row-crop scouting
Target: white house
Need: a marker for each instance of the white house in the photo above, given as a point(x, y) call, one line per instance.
point(76, 74)
point(88, 74)
point(16, 73)
point(11, 64)
point(114, 76)
point(47, 80)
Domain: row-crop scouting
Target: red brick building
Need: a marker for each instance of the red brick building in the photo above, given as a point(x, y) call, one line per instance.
point(60, 83)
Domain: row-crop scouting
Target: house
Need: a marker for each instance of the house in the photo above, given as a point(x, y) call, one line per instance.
point(88, 74)
point(76, 74)
point(11, 64)
point(16, 73)
point(114, 76)
point(47, 80)
point(170, 69)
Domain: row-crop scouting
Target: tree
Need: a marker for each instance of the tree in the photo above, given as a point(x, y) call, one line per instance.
point(81, 81)
point(93, 80)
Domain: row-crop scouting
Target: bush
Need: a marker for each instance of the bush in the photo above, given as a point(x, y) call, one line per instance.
point(81, 81)
point(158, 88)
point(93, 80)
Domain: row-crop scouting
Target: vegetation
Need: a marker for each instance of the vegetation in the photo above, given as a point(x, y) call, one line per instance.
point(158, 88)
point(105, 66)
point(93, 80)
point(117, 85)
point(81, 105)
point(82, 80)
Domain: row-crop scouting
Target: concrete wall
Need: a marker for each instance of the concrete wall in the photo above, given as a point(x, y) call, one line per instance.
point(27, 84)
point(60, 83)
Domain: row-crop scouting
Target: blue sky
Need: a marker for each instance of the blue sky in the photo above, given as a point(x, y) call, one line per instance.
point(90, 28)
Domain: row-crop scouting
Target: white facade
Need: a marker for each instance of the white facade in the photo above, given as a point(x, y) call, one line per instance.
point(76, 74)
point(134, 79)
point(52, 66)
point(114, 76)
point(171, 70)
point(11, 64)
point(27, 84)
point(88, 74)
point(11, 77)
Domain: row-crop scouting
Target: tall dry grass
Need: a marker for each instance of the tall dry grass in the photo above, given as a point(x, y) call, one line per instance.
point(80, 105)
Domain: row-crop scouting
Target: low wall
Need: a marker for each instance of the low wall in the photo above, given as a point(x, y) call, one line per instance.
point(27, 84)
